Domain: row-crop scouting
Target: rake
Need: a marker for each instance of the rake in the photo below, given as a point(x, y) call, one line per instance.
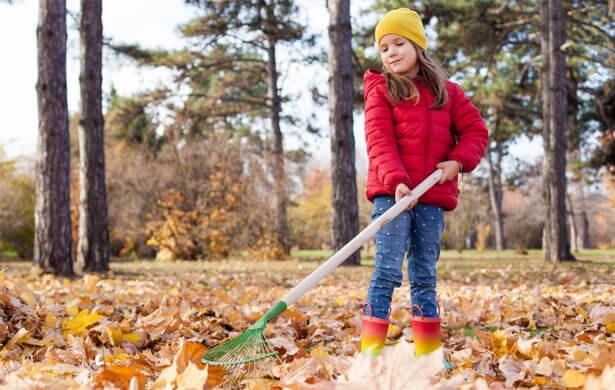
point(249, 358)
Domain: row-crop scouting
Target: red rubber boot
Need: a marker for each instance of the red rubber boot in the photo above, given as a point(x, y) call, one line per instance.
point(373, 333)
point(426, 333)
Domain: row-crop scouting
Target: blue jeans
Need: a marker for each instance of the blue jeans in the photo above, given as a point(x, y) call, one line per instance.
point(416, 232)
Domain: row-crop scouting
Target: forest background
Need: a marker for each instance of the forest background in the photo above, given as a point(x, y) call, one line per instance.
point(190, 168)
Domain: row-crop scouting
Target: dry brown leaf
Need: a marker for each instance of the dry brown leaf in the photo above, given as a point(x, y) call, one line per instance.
point(190, 352)
point(192, 378)
point(120, 376)
point(394, 369)
point(513, 370)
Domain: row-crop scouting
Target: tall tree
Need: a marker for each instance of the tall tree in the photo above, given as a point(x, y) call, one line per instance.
point(271, 37)
point(53, 249)
point(93, 247)
point(555, 243)
point(345, 209)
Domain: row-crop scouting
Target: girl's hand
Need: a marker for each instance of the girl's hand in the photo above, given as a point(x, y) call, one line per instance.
point(401, 191)
point(450, 170)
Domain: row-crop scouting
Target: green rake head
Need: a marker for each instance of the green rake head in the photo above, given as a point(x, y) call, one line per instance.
point(248, 359)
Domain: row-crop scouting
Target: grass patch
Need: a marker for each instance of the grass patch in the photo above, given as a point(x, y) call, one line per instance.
point(10, 255)
point(311, 253)
point(489, 265)
point(470, 331)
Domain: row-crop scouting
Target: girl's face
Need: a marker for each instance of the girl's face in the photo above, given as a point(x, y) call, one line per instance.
point(398, 55)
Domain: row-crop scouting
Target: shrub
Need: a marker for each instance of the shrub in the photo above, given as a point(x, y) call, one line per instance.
point(482, 234)
point(17, 201)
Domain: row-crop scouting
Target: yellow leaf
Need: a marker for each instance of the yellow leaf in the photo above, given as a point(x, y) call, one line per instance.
point(72, 310)
point(393, 331)
point(131, 337)
point(540, 381)
point(499, 341)
point(573, 378)
point(319, 352)
point(610, 327)
point(51, 320)
point(115, 336)
point(77, 325)
point(582, 312)
point(340, 302)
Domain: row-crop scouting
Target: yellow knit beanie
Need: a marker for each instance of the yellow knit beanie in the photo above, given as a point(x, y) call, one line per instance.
point(402, 22)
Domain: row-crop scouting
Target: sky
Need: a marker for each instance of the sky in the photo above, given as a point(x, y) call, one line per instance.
point(152, 24)
point(147, 22)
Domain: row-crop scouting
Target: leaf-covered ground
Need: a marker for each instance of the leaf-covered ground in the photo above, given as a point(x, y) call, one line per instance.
point(508, 322)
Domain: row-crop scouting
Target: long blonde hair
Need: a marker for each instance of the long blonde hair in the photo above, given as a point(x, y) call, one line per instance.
point(402, 87)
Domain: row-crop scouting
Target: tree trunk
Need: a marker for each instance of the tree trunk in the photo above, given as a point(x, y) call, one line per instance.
point(556, 245)
point(345, 209)
point(495, 198)
point(572, 224)
point(581, 221)
point(279, 174)
point(53, 248)
point(583, 236)
point(93, 248)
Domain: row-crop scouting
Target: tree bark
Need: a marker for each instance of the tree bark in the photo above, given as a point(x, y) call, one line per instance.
point(495, 196)
point(572, 224)
point(93, 248)
point(345, 208)
point(53, 249)
point(556, 245)
point(279, 173)
point(582, 224)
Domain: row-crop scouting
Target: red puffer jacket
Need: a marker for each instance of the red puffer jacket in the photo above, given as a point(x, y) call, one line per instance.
point(406, 141)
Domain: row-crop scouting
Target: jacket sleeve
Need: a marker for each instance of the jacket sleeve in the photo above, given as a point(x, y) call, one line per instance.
point(471, 131)
point(382, 149)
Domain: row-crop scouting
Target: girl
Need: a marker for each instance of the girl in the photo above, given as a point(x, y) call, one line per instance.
point(415, 121)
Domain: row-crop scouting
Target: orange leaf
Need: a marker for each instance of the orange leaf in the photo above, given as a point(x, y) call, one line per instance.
point(190, 352)
point(120, 376)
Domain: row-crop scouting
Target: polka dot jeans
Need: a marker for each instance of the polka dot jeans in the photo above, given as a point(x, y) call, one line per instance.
point(417, 234)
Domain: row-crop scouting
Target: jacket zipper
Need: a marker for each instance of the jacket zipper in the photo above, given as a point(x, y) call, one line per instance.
point(428, 130)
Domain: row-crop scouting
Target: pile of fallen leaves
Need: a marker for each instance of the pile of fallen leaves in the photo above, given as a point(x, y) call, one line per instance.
point(503, 327)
